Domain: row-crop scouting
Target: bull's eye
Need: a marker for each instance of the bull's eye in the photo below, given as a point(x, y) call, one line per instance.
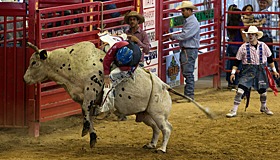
point(33, 63)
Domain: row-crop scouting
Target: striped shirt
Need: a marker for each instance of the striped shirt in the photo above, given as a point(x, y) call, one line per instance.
point(254, 53)
point(190, 36)
point(267, 22)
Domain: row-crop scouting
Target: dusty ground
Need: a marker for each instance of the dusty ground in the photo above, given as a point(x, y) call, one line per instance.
point(249, 136)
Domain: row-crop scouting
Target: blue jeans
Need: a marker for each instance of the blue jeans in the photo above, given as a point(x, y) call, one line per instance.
point(253, 76)
point(231, 52)
point(187, 60)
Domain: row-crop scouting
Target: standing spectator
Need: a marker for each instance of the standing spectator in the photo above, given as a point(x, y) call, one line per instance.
point(267, 36)
point(254, 56)
point(234, 35)
point(189, 43)
point(231, 8)
point(136, 34)
point(248, 18)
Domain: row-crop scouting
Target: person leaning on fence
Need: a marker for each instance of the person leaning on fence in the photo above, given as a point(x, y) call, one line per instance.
point(189, 43)
point(124, 57)
point(254, 55)
point(136, 34)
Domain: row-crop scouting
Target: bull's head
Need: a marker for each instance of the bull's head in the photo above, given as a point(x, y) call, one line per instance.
point(37, 71)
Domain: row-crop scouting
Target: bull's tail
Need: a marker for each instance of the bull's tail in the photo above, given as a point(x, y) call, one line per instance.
point(204, 110)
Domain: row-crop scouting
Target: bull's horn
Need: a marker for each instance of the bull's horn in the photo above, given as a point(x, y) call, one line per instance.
point(33, 47)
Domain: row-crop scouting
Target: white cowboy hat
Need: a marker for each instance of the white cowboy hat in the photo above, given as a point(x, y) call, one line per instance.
point(254, 29)
point(268, 1)
point(186, 4)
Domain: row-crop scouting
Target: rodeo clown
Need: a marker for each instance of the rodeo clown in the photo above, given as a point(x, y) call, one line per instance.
point(254, 55)
point(123, 56)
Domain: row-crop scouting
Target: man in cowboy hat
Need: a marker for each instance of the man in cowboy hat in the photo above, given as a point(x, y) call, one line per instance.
point(254, 55)
point(267, 36)
point(136, 34)
point(189, 42)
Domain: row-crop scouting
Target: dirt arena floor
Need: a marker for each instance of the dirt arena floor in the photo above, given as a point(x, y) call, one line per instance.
point(249, 136)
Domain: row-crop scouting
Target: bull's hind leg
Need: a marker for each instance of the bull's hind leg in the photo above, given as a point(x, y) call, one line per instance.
point(147, 119)
point(165, 127)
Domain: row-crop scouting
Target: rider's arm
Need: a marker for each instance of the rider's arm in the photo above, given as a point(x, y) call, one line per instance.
point(110, 56)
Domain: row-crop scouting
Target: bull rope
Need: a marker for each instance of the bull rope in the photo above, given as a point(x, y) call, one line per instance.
point(204, 110)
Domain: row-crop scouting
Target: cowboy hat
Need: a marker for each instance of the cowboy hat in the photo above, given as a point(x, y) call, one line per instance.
point(254, 29)
point(268, 1)
point(186, 4)
point(134, 14)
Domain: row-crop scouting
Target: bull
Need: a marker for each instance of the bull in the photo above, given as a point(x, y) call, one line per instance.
point(79, 70)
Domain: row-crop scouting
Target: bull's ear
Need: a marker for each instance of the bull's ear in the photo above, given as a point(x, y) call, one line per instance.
point(43, 55)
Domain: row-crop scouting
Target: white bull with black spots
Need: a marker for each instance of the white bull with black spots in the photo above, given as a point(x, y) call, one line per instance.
point(79, 70)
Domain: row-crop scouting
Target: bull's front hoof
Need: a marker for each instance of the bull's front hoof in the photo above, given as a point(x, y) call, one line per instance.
point(160, 151)
point(85, 128)
point(149, 146)
point(92, 140)
point(85, 132)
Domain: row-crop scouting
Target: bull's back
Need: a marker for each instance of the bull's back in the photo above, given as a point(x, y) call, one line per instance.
point(133, 96)
point(80, 60)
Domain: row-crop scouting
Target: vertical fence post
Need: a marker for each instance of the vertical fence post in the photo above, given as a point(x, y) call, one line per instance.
point(159, 33)
point(217, 18)
point(32, 109)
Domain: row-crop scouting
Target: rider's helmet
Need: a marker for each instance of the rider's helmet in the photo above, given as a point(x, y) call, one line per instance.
point(124, 55)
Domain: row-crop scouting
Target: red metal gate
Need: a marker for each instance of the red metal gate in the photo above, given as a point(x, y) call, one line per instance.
point(208, 61)
point(13, 110)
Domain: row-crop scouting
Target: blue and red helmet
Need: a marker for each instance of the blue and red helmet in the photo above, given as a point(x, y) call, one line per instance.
point(124, 55)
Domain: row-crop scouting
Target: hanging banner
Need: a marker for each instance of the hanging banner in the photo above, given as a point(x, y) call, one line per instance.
point(149, 3)
point(150, 18)
point(151, 35)
point(152, 57)
point(201, 16)
point(173, 69)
